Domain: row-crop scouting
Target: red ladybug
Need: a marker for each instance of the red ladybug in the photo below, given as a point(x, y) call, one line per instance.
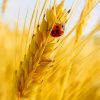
point(57, 30)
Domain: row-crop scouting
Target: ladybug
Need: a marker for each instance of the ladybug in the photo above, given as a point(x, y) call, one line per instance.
point(57, 30)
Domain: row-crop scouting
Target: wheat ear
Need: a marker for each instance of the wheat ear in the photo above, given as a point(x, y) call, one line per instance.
point(41, 52)
point(89, 5)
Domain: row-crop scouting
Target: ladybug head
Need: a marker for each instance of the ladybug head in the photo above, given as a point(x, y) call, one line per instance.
point(63, 27)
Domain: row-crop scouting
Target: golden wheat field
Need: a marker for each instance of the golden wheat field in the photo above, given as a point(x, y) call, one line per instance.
point(49, 49)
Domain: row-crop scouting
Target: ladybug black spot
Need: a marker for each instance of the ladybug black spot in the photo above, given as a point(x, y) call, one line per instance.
point(57, 31)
